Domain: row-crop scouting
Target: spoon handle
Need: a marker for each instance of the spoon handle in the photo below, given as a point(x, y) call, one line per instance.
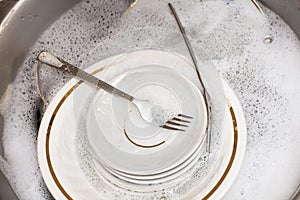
point(53, 61)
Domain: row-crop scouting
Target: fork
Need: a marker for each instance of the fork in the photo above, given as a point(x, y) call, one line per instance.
point(178, 123)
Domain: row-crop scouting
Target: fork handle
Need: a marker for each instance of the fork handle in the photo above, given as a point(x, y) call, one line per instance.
point(53, 61)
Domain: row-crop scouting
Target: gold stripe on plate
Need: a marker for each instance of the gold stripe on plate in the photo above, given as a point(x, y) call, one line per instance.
point(57, 182)
point(233, 153)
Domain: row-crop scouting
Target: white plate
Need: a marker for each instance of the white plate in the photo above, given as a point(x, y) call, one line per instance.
point(156, 178)
point(63, 174)
point(105, 120)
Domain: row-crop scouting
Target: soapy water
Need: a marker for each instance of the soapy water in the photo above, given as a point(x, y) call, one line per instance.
point(158, 115)
point(264, 76)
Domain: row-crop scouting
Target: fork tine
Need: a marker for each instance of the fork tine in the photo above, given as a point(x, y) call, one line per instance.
point(186, 116)
point(171, 128)
point(176, 124)
point(180, 120)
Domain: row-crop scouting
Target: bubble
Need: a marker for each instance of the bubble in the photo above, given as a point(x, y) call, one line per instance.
point(268, 39)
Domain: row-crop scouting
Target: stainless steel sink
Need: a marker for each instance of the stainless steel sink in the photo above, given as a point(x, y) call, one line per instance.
point(16, 38)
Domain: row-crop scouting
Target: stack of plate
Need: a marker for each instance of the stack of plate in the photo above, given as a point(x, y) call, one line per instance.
point(125, 147)
point(93, 145)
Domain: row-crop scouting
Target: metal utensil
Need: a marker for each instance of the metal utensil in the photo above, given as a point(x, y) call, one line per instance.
point(144, 107)
point(194, 59)
point(296, 194)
